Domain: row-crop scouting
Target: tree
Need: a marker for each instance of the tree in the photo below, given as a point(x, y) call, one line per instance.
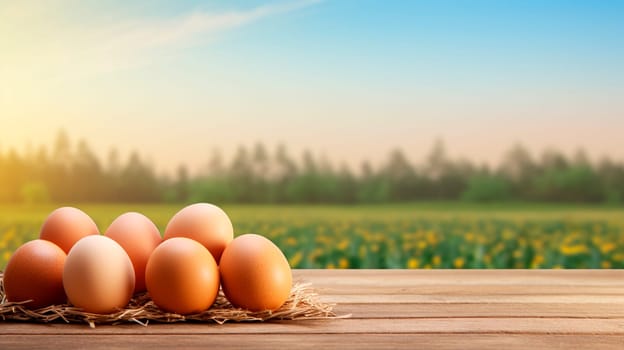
point(85, 171)
point(182, 184)
point(519, 168)
point(59, 170)
point(305, 187)
point(401, 176)
point(283, 176)
point(261, 174)
point(437, 161)
point(573, 184)
point(215, 166)
point(347, 185)
point(612, 175)
point(486, 188)
point(373, 188)
point(241, 176)
point(138, 183)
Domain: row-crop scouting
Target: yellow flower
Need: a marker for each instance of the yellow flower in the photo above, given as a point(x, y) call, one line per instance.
point(596, 240)
point(331, 266)
point(469, 236)
point(432, 238)
point(508, 234)
point(6, 256)
point(362, 252)
point(291, 241)
point(422, 245)
point(458, 262)
point(343, 263)
point(605, 264)
point(573, 249)
point(343, 245)
point(8, 236)
point(316, 253)
point(607, 247)
point(499, 247)
point(296, 259)
point(413, 263)
point(436, 260)
point(487, 259)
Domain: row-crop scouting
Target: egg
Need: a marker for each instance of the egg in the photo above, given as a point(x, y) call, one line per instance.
point(255, 274)
point(204, 223)
point(182, 276)
point(98, 275)
point(35, 272)
point(138, 236)
point(66, 225)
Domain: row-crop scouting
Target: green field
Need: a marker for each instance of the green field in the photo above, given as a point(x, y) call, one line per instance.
point(424, 235)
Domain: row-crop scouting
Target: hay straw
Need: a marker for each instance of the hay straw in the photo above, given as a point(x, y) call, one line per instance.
point(302, 304)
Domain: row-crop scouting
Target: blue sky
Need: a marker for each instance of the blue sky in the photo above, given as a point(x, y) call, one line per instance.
point(350, 79)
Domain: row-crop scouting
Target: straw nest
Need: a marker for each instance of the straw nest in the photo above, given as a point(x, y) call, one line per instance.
point(302, 304)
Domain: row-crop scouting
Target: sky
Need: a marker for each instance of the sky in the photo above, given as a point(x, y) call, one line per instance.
point(349, 79)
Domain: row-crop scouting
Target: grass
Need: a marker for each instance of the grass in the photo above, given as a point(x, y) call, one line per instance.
point(415, 235)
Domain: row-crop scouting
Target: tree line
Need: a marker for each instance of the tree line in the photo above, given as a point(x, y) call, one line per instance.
point(73, 173)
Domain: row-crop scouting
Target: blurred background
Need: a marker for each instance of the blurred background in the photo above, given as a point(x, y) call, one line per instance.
point(354, 134)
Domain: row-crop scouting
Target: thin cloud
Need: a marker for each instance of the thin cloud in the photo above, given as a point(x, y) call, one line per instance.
point(189, 29)
point(87, 50)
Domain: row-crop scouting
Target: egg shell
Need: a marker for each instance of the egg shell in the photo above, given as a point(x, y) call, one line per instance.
point(138, 236)
point(66, 225)
point(255, 274)
point(205, 223)
point(35, 272)
point(182, 276)
point(98, 275)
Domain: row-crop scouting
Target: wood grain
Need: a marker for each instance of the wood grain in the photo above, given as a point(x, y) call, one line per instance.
point(442, 309)
point(331, 341)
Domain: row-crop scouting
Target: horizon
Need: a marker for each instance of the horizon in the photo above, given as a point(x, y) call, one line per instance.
point(349, 79)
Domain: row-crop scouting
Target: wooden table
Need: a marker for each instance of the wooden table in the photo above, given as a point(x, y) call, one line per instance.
point(441, 309)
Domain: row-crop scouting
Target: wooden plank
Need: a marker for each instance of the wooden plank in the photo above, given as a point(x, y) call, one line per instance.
point(350, 326)
point(468, 290)
point(415, 278)
point(439, 310)
point(290, 341)
point(471, 299)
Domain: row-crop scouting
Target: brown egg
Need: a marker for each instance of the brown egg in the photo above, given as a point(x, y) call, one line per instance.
point(66, 225)
point(35, 272)
point(255, 274)
point(138, 236)
point(98, 275)
point(182, 276)
point(204, 223)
